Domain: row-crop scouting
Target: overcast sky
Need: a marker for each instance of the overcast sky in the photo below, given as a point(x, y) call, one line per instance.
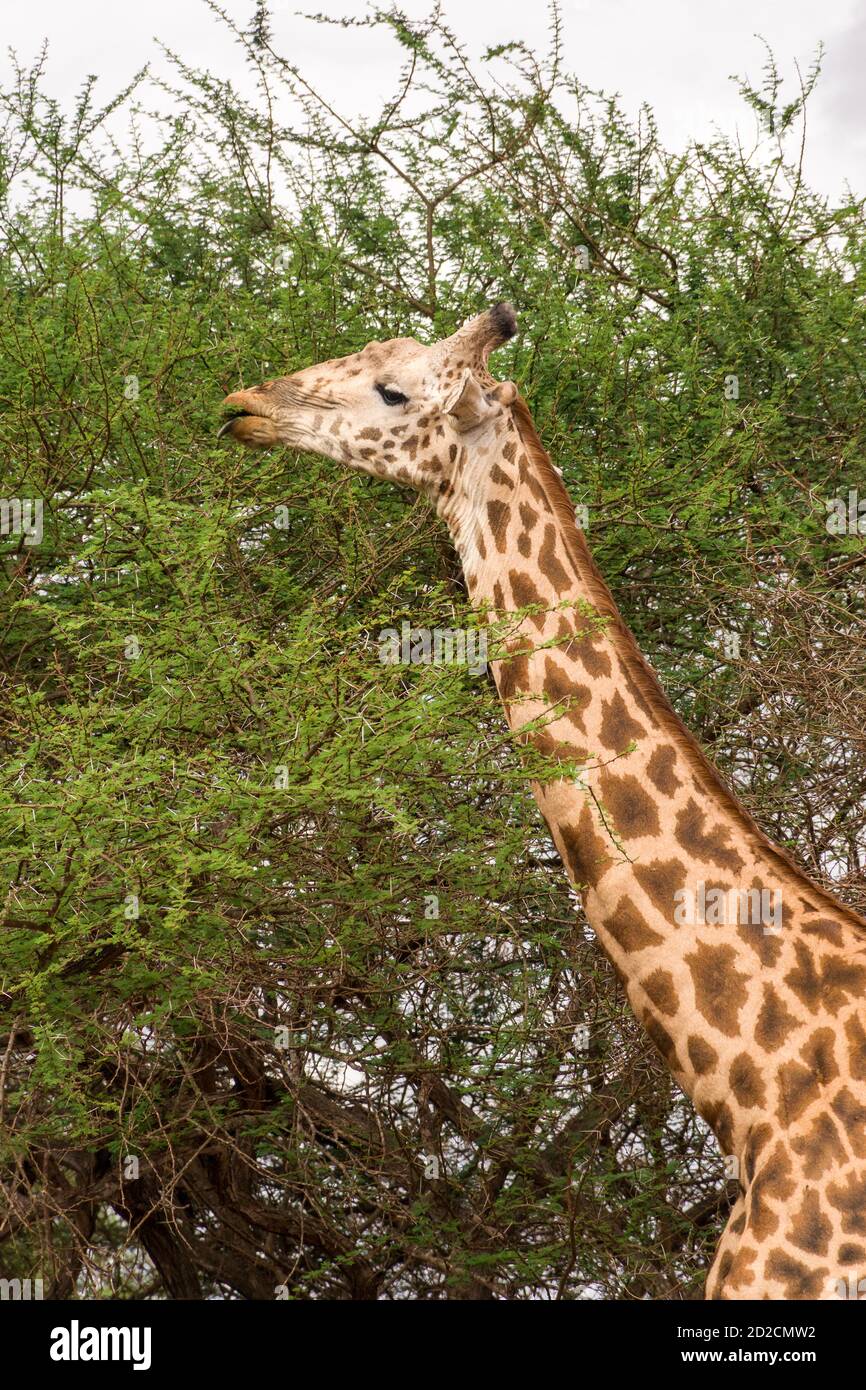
point(678, 55)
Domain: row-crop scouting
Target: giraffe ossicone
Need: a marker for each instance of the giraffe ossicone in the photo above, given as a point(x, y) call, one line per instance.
point(764, 1029)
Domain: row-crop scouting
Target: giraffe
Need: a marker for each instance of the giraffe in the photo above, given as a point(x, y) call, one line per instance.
point(748, 977)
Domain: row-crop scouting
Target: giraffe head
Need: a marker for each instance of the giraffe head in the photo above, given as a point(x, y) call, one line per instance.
point(400, 409)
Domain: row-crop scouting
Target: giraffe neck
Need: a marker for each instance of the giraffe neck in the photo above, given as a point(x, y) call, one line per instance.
point(718, 938)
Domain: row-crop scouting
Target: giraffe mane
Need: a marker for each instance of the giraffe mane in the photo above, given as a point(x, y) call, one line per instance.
point(642, 673)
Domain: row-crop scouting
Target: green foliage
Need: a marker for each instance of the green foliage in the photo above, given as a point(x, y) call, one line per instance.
point(224, 818)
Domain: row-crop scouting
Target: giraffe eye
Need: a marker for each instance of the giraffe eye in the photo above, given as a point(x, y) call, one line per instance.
point(391, 397)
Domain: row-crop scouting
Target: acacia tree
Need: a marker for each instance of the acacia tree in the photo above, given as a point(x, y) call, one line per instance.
point(294, 998)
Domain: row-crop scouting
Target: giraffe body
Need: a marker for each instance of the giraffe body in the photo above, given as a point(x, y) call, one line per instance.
point(749, 979)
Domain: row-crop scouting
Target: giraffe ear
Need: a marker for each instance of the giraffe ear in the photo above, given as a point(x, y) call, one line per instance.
point(468, 405)
point(504, 393)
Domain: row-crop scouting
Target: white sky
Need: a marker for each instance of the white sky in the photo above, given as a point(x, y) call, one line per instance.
point(678, 55)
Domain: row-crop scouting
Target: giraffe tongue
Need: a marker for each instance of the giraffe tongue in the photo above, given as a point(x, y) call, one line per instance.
point(224, 429)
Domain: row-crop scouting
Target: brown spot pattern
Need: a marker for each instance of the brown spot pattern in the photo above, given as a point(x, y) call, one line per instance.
point(800, 1281)
point(586, 854)
point(856, 1035)
point(705, 844)
point(798, 1088)
point(775, 1021)
point(702, 1057)
point(525, 594)
point(660, 988)
point(660, 770)
point(549, 562)
point(746, 1082)
point(810, 1228)
point(618, 729)
point(662, 1039)
point(720, 989)
point(850, 1199)
point(820, 1147)
point(660, 881)
point(826, 983)
point(851, 1115)
point(818, 1052)
point(499, 515)
point(562, 691)
point(771, 1183)
point(629, 929)
point(633, 812)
